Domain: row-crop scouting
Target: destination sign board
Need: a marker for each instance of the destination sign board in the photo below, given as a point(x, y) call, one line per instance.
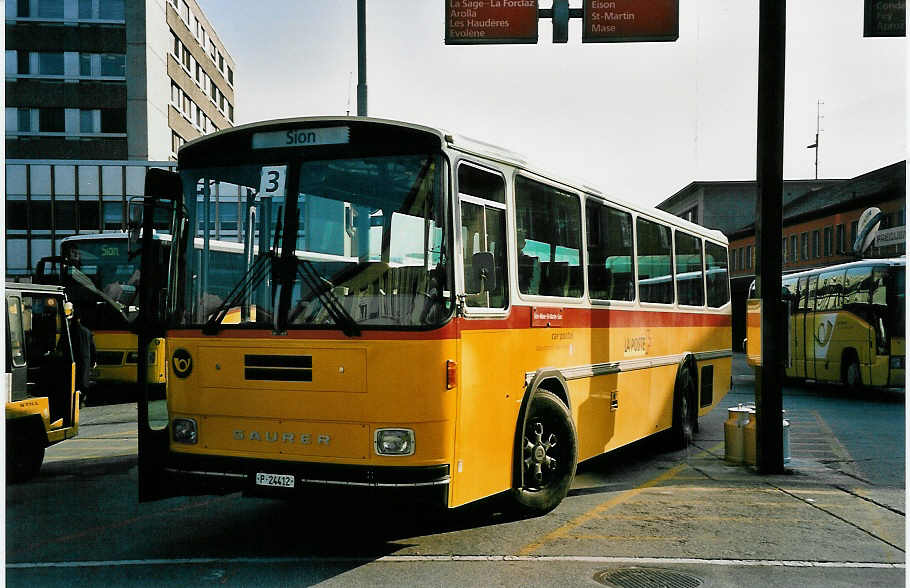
point(884, 18)
point(616, 21)
point(478, 22)
point(301, 137)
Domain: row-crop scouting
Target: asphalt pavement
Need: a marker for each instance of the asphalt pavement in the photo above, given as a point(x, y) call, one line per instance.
point(691, 511)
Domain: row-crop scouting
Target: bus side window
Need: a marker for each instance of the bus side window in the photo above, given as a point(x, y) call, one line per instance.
point(610, 271)
point(483, 230)
point(548, 225)
point(718, 279)
point(655, 271)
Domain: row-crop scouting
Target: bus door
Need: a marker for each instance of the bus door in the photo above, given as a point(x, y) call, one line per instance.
point(884, 303)
point(800, 318)
point(809, 328)
point(15, 350)
point(483, 294)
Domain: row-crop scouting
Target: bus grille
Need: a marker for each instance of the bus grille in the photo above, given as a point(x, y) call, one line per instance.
point(284, 368)
point(109, 357)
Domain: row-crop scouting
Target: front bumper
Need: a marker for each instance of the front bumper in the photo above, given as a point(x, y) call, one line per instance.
point(196, 475)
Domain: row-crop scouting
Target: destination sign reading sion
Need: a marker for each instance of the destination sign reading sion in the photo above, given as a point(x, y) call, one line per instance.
point(475, 22)
point(302, 137)
point(613, 21)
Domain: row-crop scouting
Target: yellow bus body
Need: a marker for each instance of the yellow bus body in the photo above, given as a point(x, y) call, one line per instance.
point(116, 354)
point(365, 385)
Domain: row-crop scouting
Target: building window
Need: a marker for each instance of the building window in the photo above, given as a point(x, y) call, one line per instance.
point(22, 62)
point(176, 45)
point(85, 64)
point(113, 120)
point(112, 10)
point(220, 61)
point(829, 241)
point(748, 257)
point(230, 112)
point(51, 120)
point(89, 219)
point(50, 9)
point(186, 58)
point(804, 246)
point(783, 249)
point(23, 8)
point(50, 64)
point(89, 121)
point(816, 244)
point(113, 64)
point(85, 10)
point(23, 120)
point(185, 13)
point(840, 245)
point(794, 251)
point(853, 228)
point(230, 74)
point(176, 142)
point(176, 92)
point(212, 50)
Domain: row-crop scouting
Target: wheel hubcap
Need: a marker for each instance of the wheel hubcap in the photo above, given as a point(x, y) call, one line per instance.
point(538, 463)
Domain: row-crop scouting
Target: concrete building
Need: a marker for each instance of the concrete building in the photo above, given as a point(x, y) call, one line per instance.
point(97, 91)
point(819, 222)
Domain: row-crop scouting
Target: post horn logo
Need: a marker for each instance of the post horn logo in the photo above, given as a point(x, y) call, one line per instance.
point(182, 362)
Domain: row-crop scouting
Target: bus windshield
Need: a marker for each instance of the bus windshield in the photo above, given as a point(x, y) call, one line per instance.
point(369, 235)
point(113, 273)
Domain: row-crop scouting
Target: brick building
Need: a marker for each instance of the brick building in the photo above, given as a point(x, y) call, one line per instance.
point(819, 222)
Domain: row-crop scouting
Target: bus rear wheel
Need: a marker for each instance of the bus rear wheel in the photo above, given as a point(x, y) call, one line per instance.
point(548, 455)
point(685, 420)
point(852, 377)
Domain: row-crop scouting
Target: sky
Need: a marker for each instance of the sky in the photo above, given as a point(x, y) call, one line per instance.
point(639, 121)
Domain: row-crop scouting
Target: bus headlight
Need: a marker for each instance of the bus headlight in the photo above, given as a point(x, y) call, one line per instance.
point(394, 442)
point(897, 362)
point(184, 431)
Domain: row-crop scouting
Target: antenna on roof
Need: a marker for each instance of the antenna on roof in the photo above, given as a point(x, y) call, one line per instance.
point(818, 129)
point(347, 112)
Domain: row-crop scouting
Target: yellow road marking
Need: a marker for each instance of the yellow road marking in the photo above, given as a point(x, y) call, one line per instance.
point(605, 506)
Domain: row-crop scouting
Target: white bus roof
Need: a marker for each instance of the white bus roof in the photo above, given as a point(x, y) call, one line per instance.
point(485, 150)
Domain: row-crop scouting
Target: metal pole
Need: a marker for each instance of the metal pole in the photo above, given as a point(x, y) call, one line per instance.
point(768, 209)
point(361, 57)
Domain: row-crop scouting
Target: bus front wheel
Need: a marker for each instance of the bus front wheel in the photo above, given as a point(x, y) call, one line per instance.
point(23, 459)
point(548, 455)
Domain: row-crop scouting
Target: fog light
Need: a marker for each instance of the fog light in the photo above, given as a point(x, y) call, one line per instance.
point(897, 362)
point(184, 431)
point(394, 442)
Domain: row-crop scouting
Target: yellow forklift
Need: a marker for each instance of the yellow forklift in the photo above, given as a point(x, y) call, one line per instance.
point(42, 403)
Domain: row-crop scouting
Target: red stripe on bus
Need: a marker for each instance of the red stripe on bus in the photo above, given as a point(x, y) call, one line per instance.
point(518, 318)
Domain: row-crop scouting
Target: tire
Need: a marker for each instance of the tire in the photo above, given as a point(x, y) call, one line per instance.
point(23, 460)
point(852, 377)
point(549, 452)
point(685, 421)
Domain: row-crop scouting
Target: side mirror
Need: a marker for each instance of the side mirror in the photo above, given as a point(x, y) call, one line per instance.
point(483, 271)
point(134, 223)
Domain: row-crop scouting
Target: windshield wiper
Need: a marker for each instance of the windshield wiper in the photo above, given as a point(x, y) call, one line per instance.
point(250, 280)
point(322, 289)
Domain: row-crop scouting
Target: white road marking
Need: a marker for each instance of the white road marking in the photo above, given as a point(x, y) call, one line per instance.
point(773, 563)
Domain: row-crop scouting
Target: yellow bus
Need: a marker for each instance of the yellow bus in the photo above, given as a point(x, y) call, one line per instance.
point(846, 323)
point(432, 314)
point(42, 403)
point(101, 275)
